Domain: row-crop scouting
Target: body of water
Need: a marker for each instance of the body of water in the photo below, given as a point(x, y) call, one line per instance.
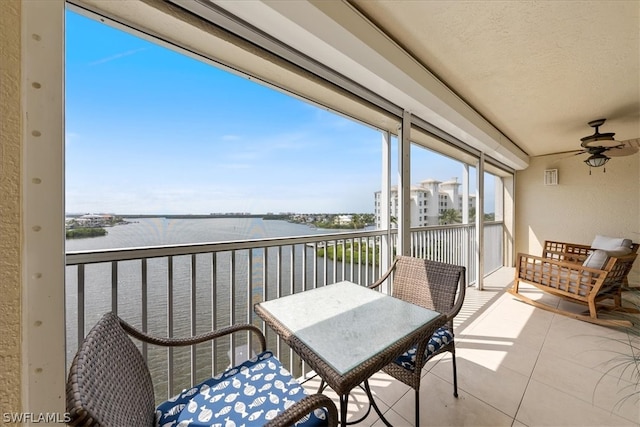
point(172, 231)
point(226, 285)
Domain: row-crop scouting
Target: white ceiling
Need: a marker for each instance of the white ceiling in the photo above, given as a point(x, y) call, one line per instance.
point(534, 72)
point(537, 70)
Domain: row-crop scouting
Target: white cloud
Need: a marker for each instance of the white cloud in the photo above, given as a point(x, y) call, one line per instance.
point(117, 56)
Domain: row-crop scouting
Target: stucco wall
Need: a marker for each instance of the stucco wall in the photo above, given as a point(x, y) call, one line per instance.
point(581, 206)
point(10, 202)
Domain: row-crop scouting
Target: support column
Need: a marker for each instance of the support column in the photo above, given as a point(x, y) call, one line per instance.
point(404, 186)
point(466, 246)
point(386, 252)
point(480, 222)
point(508, 206)
point(465, 194)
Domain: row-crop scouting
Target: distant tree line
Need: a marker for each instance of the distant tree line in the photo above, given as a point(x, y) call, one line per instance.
point(77, 233)
point(453, 216)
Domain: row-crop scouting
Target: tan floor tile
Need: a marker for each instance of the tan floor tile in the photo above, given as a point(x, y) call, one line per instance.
point(501, 388)
point(604, 391)
point(477, 304)
point(513, 320)
point(538, 295)
point(544, 405)
point(431, 363)
point(500, 332)
point(586, 344)
point(494, 353)
point(499, 278)
point(387, 389)
point(438, 407)
point(358, 403)
point(395, 419)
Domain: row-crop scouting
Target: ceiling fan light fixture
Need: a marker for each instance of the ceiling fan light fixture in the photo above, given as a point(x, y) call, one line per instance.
point(597, 160)
point(599, 143)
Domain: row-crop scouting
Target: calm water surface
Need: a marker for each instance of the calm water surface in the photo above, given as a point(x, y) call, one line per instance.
point(215, 291)
point(171, 231)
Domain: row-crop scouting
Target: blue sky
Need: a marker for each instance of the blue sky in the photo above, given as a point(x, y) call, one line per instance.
point(150, 131)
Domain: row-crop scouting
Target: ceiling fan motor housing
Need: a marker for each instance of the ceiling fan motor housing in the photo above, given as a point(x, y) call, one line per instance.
point(598, 139)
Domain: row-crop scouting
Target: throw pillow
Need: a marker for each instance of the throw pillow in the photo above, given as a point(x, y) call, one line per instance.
point(596, 259)
point(610, 243)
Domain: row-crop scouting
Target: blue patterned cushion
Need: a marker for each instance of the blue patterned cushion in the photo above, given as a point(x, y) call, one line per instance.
point(439, 339)
point(250, 394)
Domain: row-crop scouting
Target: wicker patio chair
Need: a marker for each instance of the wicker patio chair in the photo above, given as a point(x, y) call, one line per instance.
point(434, 285)
point(109, 384)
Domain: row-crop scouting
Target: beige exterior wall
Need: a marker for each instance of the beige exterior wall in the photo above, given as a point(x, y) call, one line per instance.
point(10, 212)
point(581, 206)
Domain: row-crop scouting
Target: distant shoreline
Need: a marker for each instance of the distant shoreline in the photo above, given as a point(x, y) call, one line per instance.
point(326, 221)
point(197, 216)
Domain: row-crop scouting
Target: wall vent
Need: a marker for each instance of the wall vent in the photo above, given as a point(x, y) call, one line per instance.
point(551, 177)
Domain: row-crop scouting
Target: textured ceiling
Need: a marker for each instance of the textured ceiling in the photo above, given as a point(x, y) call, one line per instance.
point(539, 71)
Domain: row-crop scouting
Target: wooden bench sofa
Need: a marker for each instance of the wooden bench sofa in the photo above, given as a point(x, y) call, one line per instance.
point(584, 274)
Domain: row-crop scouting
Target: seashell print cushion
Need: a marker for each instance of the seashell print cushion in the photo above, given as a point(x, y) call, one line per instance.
point(439, 339)
point(247, 395)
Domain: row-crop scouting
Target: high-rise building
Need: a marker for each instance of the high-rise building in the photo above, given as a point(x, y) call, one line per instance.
point(428, 200)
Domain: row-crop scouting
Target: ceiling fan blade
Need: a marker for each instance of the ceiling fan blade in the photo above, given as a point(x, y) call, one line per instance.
point(564, 155)
point(627, 148)
point(573, 152)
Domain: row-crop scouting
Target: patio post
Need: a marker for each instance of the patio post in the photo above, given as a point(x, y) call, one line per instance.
point(404, 186)
point(480, 222)
point(386, 254)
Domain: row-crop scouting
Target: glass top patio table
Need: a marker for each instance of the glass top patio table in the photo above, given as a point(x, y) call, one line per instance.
point(348, 326)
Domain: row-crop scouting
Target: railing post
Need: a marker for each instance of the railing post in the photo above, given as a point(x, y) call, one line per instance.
point(170, 324)
point(145, 304)
point(81, 299)
point(114, 287)
point(193, 295)
point(214, 304)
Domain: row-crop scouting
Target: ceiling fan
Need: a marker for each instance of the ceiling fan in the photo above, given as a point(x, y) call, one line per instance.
point(598, 144)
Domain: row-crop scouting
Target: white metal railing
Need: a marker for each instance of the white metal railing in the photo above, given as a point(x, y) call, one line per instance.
point(493, 247)
point(181, 290)
point(455, 244)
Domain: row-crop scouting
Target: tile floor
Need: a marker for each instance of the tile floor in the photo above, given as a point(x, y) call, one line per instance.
point(517, 366)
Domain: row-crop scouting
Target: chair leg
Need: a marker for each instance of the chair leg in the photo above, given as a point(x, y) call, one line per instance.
point(344, 400)
point(455, 374)
point(417, 405)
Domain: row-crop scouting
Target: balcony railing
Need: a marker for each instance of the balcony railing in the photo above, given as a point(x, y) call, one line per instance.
point(181, 290)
